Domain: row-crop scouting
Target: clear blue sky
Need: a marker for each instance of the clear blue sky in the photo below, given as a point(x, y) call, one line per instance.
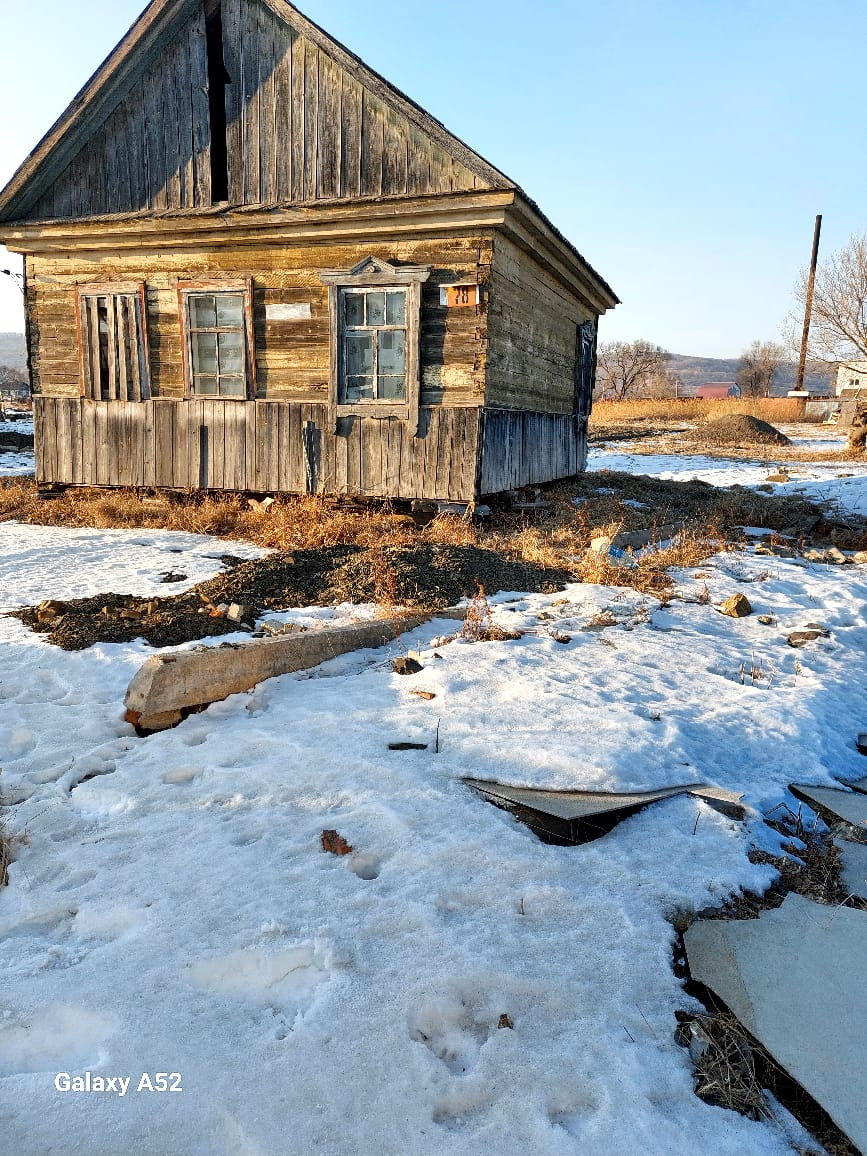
point(684, 146)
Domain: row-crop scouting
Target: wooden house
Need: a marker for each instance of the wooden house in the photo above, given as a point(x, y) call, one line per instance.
point(252, 264)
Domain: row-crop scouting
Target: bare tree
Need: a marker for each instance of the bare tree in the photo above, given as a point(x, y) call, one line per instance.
point(838, 327)
point(757, 367)
point(626, 368)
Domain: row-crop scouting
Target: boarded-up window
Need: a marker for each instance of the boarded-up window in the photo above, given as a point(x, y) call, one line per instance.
point(114, 361)
point(217, 340)
point(585, 368)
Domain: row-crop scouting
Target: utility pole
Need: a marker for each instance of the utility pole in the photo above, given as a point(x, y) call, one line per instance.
point(808, 304)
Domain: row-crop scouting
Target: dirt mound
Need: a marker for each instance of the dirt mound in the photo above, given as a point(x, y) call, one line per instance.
point(425, 576)
point(739, 429)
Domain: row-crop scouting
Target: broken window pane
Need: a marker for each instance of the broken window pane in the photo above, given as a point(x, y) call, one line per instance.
point(359, 389)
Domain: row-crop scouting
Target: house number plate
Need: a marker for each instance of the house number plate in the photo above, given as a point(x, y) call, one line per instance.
point(458, 296)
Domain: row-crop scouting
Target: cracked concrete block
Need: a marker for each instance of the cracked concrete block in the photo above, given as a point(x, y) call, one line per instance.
point(853, 867)
point(794, 979)
point(850, 806)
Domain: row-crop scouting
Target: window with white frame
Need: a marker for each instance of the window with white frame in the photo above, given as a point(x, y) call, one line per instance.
point(218, 340)
point(375, 311)
point(373, 345)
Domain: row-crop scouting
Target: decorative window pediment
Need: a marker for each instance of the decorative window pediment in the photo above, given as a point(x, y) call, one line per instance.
point(375, 310)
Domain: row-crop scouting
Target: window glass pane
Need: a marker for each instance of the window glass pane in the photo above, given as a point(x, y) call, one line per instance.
point(375, 308)
point(359, 389)
point(359, 353)
point(230, 309)
point(232, 387)
point(203, 311)
point(206, 386)
point(204, 352)
point(353, 304)
point(231, 352)
point(392, 388)
point(392, 350)
point(395, 309)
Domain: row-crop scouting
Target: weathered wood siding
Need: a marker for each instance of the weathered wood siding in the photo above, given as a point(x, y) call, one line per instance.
point(292, 357)
point(532, 334)
point(521, 449)
point(153, 151)
point(299, 127)
point(256, 446)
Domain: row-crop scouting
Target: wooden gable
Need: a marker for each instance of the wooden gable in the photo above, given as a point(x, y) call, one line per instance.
point(302, 121)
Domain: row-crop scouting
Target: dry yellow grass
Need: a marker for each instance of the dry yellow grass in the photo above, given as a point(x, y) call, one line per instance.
point(560, 542)
point(771, 409)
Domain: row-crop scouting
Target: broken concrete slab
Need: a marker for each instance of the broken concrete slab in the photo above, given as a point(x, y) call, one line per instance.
point(793, 977)
point(169, 685)
point(848, 806)
point(572, 817)
point(853, 867)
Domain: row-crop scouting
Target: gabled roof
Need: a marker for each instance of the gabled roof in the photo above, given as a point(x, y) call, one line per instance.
point(125, 64)
point(60, 164)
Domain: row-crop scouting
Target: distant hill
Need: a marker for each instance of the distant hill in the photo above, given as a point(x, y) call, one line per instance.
point(13, 352)
point(692, 372)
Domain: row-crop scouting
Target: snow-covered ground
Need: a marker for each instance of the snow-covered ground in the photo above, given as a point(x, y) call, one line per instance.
point(842, 483)
point(169, 909)
point(17, 463)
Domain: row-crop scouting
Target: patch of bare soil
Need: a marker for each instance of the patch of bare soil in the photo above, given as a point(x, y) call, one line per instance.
point(738, 429)
point(425, 576)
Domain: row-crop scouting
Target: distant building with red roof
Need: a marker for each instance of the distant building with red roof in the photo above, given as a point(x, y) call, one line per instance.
point(715, 390)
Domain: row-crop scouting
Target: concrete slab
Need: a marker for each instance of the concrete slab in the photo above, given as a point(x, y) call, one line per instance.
point(853, 867)
point(578, 816)
point(168, 684)
point(850, 806)
point(572, 805)
point(857, 784)
point(794, 979)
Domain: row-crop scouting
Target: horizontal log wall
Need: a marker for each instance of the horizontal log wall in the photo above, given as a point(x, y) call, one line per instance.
point(522, 449)
point(532, 327)
point(254, 446)
point(292, 357)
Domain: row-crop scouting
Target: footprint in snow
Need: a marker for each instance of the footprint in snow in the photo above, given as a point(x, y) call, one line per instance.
point(285, 981)
point(451, 1030)
point(62, 1037)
